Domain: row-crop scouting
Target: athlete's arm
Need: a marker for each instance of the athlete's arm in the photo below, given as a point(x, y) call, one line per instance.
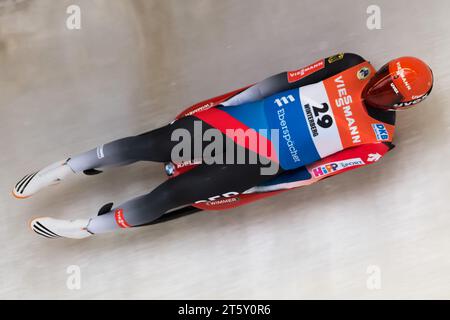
point(348, 159)
point(342, 161)
point(315, 72)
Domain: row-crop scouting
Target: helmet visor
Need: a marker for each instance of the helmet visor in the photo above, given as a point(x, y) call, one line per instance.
point(381, 91)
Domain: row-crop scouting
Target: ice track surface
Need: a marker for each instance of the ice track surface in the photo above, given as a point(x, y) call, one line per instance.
point(132, 67)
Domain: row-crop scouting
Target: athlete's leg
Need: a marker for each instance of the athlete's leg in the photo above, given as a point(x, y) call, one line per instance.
point(155, 145)
point(200, 183)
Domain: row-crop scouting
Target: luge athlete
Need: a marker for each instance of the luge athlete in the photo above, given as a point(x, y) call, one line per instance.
point(332, 116)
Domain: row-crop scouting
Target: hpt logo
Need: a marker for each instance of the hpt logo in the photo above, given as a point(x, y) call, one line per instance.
point(331, 167)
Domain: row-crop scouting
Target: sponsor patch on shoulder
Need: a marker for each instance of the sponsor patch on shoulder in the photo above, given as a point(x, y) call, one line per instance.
point(381, 132)
point(296, 75)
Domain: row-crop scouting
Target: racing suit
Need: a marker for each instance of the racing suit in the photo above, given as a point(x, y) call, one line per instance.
point(320, 126)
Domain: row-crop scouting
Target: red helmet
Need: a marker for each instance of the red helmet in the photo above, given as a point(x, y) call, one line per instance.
point(399, 84)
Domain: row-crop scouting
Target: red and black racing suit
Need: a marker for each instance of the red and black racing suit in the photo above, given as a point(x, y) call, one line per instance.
point(205, 180)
